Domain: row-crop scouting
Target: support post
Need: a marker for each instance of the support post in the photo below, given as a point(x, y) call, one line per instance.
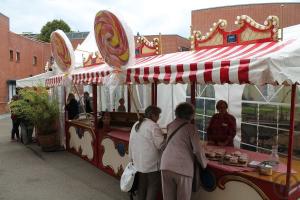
point(291, 140)
point(94, 87)
point(128, 98)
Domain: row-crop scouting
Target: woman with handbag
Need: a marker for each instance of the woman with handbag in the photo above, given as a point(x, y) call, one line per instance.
point(177, 163)
point(146, 140)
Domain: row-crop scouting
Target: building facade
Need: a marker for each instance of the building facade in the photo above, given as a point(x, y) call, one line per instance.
point(20, 57)
point(202, 20)
point(169, 44)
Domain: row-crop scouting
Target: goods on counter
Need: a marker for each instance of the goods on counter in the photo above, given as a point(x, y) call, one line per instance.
point(215, 154)
point(234, 158)
point(266, 170)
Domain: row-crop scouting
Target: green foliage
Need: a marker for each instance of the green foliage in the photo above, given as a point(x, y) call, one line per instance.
point(49, 27)
point(35, 107)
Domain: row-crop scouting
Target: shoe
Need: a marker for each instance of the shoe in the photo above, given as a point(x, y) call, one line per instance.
point(13, 140)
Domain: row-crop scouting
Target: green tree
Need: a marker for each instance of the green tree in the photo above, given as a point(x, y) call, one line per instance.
point(51, 26)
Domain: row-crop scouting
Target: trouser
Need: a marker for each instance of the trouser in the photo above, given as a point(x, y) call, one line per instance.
point(15, 128)
point(176, 186)
point(149, 185)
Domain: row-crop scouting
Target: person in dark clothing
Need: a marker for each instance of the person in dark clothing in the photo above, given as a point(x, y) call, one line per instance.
point(222, 127)
point(72, 107)
point(88, 103)
point(121, 107)
point(15, 122)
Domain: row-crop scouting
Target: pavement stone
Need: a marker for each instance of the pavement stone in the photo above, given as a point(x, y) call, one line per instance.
point(27, 173)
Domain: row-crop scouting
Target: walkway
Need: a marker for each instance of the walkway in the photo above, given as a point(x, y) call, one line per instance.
point(27, 173)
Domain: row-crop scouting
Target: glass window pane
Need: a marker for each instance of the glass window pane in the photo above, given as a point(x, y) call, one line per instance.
point(209, 107)
point(268, 115)
point(249, 136)
point(284, 117)
point(283, 141)
point(251, 94)
point(249, 113)
point(199, 122)
point(266, 137)
point(209, 91)
point(199, 106)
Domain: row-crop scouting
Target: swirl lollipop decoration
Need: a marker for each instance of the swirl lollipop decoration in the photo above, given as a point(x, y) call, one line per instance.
point(62, 50)
point(111, 39)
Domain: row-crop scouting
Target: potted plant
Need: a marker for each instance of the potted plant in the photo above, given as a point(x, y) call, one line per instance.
point(35, 107)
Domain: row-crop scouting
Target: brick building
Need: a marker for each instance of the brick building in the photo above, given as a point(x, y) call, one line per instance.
point(203, 19)
point(170, 43)
point(20, 57)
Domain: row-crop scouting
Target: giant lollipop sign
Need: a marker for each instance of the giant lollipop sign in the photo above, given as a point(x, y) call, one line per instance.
point(112, 39)
point(62, 50)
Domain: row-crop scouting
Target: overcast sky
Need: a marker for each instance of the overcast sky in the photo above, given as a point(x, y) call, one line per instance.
point(144, 16)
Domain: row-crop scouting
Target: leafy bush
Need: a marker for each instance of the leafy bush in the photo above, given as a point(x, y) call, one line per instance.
point(35, 107)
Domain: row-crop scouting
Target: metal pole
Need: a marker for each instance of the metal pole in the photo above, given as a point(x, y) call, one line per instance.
point(152, 93)
point(291, 140)
point(95, 109)
point(193, 96)
point(128, 98)
point(281, 23)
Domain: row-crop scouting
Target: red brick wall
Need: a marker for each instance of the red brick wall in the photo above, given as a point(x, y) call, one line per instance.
point(13, 70)
point(4, 25)
point(202, 20)
point(170, 43)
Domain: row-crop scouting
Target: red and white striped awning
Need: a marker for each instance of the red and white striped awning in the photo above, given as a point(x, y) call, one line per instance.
point(91, 75)
point(260, 63)
point(54, 80)
point(85, 75)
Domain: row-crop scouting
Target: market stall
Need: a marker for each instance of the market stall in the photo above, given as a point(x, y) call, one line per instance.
point(250, 55)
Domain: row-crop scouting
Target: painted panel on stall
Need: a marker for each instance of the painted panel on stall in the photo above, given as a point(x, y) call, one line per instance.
point(82, 144)
point(113, 156)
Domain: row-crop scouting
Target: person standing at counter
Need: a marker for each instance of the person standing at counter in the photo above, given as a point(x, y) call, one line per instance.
point(145, 142)
point(72, 107)
point(177, 162)
point(88, 102)
point(222, 127)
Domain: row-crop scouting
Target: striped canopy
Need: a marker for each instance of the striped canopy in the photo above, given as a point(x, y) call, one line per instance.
point(54, 80)
point(86, 75)
point(91, 75)
point(260, 63)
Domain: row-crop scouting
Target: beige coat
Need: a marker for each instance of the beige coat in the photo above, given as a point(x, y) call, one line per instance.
point(178, 156)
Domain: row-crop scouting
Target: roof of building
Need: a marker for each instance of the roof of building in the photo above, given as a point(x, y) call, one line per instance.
point(246, 4)
point(77, 35)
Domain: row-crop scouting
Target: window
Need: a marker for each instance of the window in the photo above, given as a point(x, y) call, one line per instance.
point(205, 107)
point(18, 56)
point(11, 55)
point(51, 60)
point(34, 62)
point(11, 88)
point(265, 118)
point(183, 48)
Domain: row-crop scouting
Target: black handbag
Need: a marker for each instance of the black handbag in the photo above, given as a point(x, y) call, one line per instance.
point(197, 176)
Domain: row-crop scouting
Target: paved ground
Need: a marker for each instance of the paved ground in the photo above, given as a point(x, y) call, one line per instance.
point(27, 173)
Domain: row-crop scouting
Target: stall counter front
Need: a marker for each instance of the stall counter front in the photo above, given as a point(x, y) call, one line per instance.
point(225, 180)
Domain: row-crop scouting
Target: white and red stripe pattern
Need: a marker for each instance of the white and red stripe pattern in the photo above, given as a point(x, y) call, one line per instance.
point(54, 80)
point(253, 63)
point(91, 75)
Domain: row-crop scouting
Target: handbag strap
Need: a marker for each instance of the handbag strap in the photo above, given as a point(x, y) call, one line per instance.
point(173, 133)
